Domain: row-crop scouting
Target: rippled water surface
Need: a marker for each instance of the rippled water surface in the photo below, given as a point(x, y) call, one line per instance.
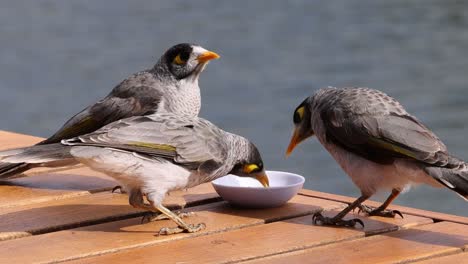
point(56, 57)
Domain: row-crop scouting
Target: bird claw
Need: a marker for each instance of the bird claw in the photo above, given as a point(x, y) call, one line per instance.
point(319, 218)
point(175, 230)
point(376, 212)
point(398, 213)
point(118, 187)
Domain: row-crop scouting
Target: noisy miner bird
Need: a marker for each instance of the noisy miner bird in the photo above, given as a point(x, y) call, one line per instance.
point(378, 144)
point(170, 86)
point(152, 155)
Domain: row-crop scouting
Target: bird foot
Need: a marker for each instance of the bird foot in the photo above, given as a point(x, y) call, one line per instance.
point(119, 188)
point(151, 217)
point(319, 218)
point(176, 230)
point(378, 212)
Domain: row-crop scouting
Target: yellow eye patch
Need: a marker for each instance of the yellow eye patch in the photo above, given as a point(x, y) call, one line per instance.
point(299, 115)
point(300, 112)
point(250, 168)
point(178, 60)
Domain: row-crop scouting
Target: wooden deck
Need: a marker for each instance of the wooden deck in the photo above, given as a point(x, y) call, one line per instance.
point(71, 216)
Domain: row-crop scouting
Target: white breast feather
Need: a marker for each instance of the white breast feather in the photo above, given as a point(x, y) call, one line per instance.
point(150, 176)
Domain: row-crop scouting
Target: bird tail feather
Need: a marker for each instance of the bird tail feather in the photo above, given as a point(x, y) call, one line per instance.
point(456, 179)
point(19, 160)
point(13, 170)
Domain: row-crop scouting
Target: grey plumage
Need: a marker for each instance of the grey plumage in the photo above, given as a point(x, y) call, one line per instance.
point(170, 86)
point(376, 142)
point(152, 155)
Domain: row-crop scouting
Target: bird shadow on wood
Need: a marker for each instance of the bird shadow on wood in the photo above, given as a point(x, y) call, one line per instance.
point(54, 218)
point(61, 181)
point(59, 217)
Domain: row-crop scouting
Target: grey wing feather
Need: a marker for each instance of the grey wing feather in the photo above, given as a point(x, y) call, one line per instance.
point(130, 98)
point(376, 130)
point(186, 141)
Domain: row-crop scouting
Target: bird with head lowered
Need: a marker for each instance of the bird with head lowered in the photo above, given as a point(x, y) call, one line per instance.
point(152, 155)
point(378, 144)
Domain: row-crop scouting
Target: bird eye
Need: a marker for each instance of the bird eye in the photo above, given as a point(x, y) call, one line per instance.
point(185, 55)
point(298, 115)
point(178, 60)
point(181, 58)
point(251, 168)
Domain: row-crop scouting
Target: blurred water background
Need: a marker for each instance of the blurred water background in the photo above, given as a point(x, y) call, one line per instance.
point(56, 57)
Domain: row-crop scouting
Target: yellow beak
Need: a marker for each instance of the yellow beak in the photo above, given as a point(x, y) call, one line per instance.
point(263, 179)
point(293, 143)
point(207, 56)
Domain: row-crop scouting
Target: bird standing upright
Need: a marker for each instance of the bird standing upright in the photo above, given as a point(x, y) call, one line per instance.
point(378, 144)
point(152, 155)
point(170, 86)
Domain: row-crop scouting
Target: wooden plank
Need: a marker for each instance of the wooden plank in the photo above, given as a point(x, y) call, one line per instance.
point(376, 225)
point(238, 245)
point(53, 186)
point(55, 215)
point(402, 246)
point(460, 258)
point(403, 209)
point(125, 234)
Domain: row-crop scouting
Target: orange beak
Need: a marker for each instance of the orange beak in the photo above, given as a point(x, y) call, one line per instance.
point(207, 56)
point(293, 143)
point(263, 179)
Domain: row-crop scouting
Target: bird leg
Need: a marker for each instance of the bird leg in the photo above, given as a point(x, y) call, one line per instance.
point(182, 226)
point(337, 220)
point(381, 210)
point(136, 200)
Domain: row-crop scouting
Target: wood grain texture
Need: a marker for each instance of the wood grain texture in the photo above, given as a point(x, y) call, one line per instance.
point(458, 258)
point(52, 186)
point(376, 224)
point(403, 209)
point(246, 243)
point(407, 245)
point(84, 210)
point(125, 234)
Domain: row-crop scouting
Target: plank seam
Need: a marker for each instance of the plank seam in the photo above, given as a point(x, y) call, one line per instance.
point(103, 220)
point(435, 219)
point(190, 236)
point(449, 253)
point(297, 249)
point(331, 243)
point(150, 243)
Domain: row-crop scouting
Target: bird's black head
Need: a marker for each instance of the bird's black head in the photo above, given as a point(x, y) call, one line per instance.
point(302, 125)
point(302, 113)
point(186, 60)
point(251, 165)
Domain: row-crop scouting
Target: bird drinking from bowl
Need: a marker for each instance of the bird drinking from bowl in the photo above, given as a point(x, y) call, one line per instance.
point(247, 192)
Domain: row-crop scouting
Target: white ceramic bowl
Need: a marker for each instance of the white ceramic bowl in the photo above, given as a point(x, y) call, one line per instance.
point(248, 192)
